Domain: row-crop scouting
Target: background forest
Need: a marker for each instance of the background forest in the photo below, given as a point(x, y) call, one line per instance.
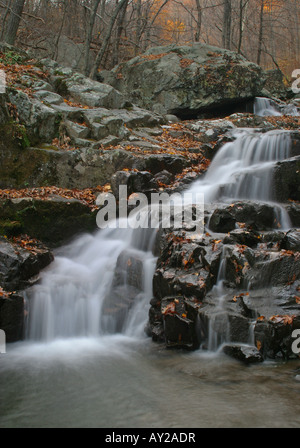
point(91, 35)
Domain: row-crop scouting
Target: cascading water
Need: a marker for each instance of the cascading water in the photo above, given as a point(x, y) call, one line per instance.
point(264, 107)
point(241, 170)
point(103, 284)
point(80, 295)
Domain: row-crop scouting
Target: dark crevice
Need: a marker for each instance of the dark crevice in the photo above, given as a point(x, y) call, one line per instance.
point(222, 111)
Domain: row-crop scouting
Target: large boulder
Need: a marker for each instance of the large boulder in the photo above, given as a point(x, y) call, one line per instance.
point(186, 80)
point(54, 220)
point(19, 265)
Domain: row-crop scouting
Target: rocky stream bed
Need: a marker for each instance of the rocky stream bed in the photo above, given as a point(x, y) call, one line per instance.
point(66, 138)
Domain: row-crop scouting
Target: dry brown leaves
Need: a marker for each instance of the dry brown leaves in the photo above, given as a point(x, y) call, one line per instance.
point(87, 196)
point(5, 294)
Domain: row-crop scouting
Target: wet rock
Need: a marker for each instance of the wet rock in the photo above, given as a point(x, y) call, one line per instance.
point(174, 164)
point(244, 237)
point(287, 180)
point(178, 329)
point(129, 270)
point(164, 177)
point(257, 216)
point(127, 284)
point(273, 336)
point(222, 220)
point(18, 266)
point(53, 221)
point(293, 210)
point(135, 181)
point(275, 269)
point(244, 353)
point(12, 317)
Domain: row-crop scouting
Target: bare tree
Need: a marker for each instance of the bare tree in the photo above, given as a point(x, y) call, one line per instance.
point(261, 32)
point(13, 21)
point(106, 39)
point(91, 23)
point(227, 18)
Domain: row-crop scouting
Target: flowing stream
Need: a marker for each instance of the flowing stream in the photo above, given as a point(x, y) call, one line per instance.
point(265, 107)
point(86, 361)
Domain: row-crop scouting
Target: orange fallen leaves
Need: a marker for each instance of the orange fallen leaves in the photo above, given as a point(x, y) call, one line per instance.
point(284, 319)
point(239, 296)
point(4, 294)
point(86, 196)
point(169, 309)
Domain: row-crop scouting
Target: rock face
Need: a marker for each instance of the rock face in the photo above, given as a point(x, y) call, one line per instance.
point(12, 317)
point(20, 265)
point(237, 287)
point(187, 80)
point(238, 282)
point(54, 221)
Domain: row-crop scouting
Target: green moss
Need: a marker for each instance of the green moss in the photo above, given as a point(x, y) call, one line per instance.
point(10, 228)
point(10, 57)
point(61, 87)
point(48, 147)
point(52, 222)
point(13, 133)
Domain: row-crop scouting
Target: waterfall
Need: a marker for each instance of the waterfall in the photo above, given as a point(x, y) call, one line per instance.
point(264, 107)
point(103, 282)
point(88, 293)
point(243, 169)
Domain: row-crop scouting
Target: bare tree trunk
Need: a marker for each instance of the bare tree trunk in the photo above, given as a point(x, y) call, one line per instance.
point(120, 27)
point(138, 32)
point(227, 24)
point(55, 54)
point(5, 17)
point(14, 21)
point(261, 32)
point(199, 20)
point(107, 37)
point(242, 16)
point(92, 18)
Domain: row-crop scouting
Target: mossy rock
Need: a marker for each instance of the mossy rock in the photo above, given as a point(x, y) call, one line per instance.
point(52, 221)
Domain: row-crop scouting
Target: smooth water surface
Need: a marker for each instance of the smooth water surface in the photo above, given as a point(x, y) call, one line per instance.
point(120, 382)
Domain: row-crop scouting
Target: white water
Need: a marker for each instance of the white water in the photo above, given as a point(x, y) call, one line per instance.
point(70, 299)
point(243, 169)
point(75, 297)
point(264, 107)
